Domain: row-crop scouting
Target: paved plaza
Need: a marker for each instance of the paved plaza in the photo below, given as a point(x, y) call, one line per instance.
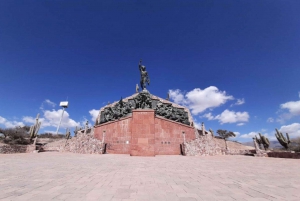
point(57, 176)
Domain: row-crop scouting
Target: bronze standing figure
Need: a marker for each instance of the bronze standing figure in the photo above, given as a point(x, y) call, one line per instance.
point(144, 76)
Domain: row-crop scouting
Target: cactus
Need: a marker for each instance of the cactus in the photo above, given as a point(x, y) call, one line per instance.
point(68, 134)
point(265, 141)
point(87, 126)
point(75, 131)
point(258, 141)
point(282, 140)
point(211, 131)
point(34, 129)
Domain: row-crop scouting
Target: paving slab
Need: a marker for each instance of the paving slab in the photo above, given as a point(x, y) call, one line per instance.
point(66, 176)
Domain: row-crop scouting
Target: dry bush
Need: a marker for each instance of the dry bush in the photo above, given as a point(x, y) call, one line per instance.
point(295, 145)
point(17, 135)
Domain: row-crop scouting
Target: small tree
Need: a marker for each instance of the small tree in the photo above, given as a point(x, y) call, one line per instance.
point(224, 134)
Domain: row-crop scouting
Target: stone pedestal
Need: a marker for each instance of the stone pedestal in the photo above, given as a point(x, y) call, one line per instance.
point(142, 133)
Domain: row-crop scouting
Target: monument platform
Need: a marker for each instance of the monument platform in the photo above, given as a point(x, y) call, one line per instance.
point(144, 125)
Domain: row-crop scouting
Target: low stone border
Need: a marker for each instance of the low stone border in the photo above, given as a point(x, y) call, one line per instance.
point(12, 149)
point(284, 155)
point(240, 152)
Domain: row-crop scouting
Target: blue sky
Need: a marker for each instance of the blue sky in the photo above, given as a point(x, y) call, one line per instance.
point(235, 64)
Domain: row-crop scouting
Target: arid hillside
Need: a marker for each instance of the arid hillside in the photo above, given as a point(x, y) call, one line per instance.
point(232, 145)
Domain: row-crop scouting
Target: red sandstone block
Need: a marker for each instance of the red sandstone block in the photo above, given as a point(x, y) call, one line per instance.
point(152, 129)
point(140, 126)
point(150, 121)
point(134, 140)
point(139, 121)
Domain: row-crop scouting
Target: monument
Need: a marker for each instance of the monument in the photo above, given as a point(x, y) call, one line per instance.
point(144, 124)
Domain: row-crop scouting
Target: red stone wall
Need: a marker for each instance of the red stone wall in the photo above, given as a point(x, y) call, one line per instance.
point(116, 135)
point(168, 136)
point(147, 134)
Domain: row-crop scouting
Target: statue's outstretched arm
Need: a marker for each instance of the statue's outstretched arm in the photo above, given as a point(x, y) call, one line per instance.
point(140, 64)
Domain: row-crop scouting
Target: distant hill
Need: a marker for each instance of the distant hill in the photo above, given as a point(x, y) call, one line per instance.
point(232, 144)
point(273, 144)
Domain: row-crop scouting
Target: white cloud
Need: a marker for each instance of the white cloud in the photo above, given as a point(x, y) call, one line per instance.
point(270, 120)
point(199, 100)
point(238, 102)
point(237, 134)
point(293, 130)
point(177, 96)
point(252, 135)
point(30, 120)
point(10, 124)
point(51, 118)
point(47, 102)
point(292, 106)
point(50, 131)
point(249, 135)
point(228, 116)
point(94, 113)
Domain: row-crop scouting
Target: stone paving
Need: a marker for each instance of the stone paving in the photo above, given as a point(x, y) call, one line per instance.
point(66, 176)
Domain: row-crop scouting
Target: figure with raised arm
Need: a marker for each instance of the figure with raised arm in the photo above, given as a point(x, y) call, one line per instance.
point(144, 76)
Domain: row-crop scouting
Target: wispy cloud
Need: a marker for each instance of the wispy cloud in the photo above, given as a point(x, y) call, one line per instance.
point(47, 102)
point(270, 120)
point(238, 102)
